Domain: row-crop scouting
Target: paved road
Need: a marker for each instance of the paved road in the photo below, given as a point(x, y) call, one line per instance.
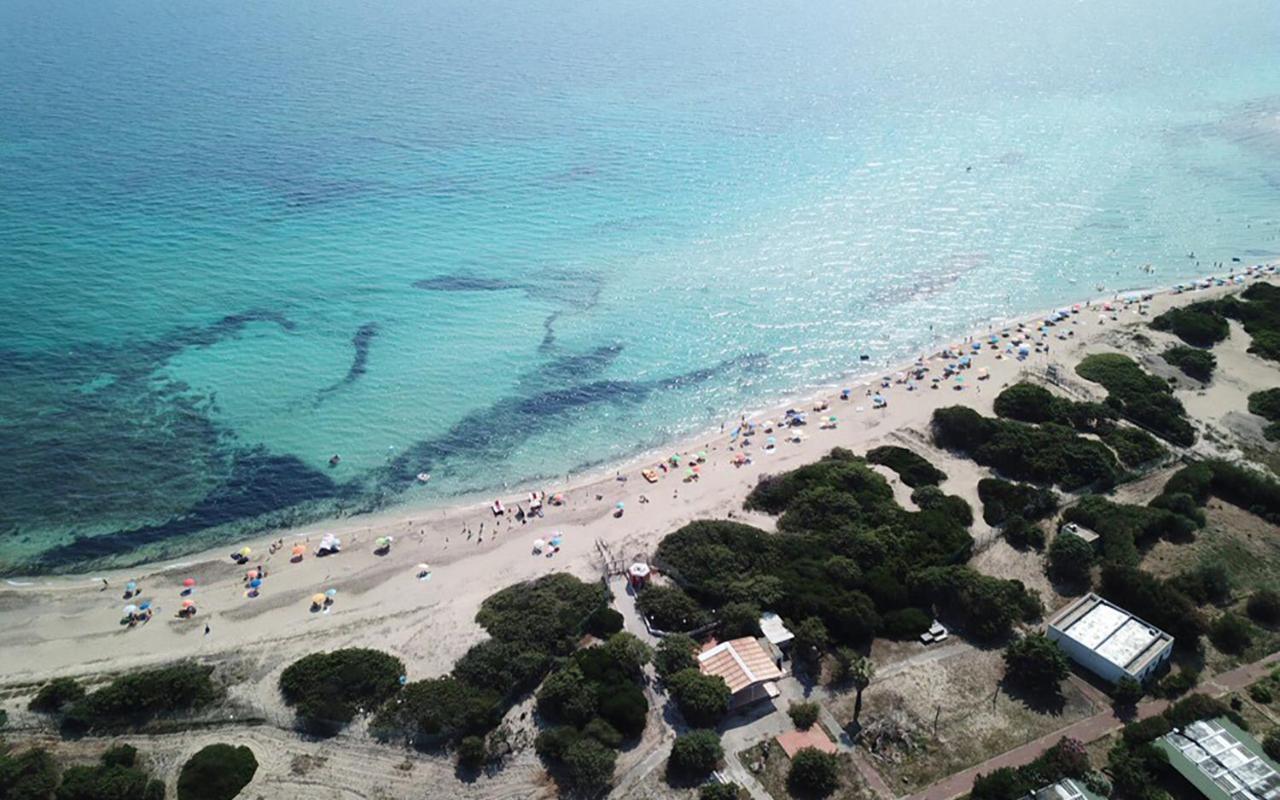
point(1087, 730)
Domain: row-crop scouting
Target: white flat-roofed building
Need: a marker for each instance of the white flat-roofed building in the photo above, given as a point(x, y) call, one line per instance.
point(1109, 641)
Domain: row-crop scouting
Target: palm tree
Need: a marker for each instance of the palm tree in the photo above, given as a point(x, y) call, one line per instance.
point(861, 671)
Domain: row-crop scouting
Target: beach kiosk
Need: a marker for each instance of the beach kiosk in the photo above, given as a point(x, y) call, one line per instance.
point(638, 575)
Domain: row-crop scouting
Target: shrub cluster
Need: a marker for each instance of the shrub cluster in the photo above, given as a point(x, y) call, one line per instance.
point(813, 773)
point(1070, 559)
point(216, 772)
point(1266, 404)
point(1264, 606)
point(1032, 403)
point(138, 697)
point(1066, 759)
point(328, 689)
point(1016, 506)
point(694, 755)
point(595, 702)
point(1140, 397)
point(529, 625)
point(33, 775)
point(703, 699)
point(1037, 663)
point(1045, 454)
point(912, 468)
point(1194, 363)
point(845, 558)
point(1198, 324)
point(1126, 528)
point(55, 694)
point(1258, 310)
point(1193, 485)
point(668, 608)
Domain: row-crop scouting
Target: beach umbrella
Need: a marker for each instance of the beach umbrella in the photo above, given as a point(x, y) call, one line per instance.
point(299, 549)
point(879, 398)
point(245, 551)
point(688, 473)
point(317, 599)
point(255, 583)
point(675, 458)
point(130, 610)
point(538, 544)
point(619, 505)
point(330, 592)
point(251, 574)
point(702, 455)
point(189, 582)
point(131, 586)
point(557, 498)
point(976, 346)
point(423, 568)
point(188, 603)
point(144, 605)
point(382, 541)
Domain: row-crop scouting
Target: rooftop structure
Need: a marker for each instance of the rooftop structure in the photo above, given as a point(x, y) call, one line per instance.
point(1076, 529)
point(1222, 761)
point(774, 630)
point(793, 742)
point(1108, 640)
point(745, 666)
point(1065, 789)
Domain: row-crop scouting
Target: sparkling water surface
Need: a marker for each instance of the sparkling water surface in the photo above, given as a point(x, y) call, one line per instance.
point(501, 242)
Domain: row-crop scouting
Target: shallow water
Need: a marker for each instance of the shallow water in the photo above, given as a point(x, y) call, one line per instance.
point(496, 242)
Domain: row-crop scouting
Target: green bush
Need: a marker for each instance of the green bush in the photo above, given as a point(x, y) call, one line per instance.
point(803, 715)
point(55, 694)
point(912, 468)
point(1036, 662)
point(702, 699)
point(588, 766)
point(1251, 490)
point(552, 743)
point(1127, 692)
point(670, 609)
point(1176, 684)
point(1199, 324)
point(216, 772)
point(604, 733)
point(472, 752)
point(434, 710)
point(931, 498)
point(1045, 454)
point(1133, 446)
point(505, 668)
point(107, 782)
point(625, 707)
point(1003, 499)
point(695, 755)
point(1207, 583)
point(906, 624)
point(548, 614)
point(737, 619)
point(327, 689)
point(603, 622)
point(30, 775)
point(120, 755)
point(1260, 694)
point(1231, 633)
point(1194, 363)
point(140, 696)
point(1266, 404)
point(1023, 535)
point(1125, 528)
point(1139, 396)
point(1070, 559)
point(984, 606)
point(1264, 606)
point(674, 653)
point(844, 557)
point(719, 791)
point(1271, 745)
point(813, 773)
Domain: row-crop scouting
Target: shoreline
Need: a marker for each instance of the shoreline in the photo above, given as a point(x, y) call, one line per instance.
point(597, 478)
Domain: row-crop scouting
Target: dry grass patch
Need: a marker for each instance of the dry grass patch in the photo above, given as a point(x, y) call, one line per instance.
point(975, 719)
point(1003, 560)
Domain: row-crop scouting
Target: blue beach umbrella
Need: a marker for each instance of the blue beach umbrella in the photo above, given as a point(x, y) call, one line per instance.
point(330, 592)
point(255, 583)
point(131, 586)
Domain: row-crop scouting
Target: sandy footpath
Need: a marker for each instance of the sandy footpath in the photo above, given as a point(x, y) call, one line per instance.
point(71, 625)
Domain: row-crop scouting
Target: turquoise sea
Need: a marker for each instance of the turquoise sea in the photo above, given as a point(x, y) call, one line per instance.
point(506, 241)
